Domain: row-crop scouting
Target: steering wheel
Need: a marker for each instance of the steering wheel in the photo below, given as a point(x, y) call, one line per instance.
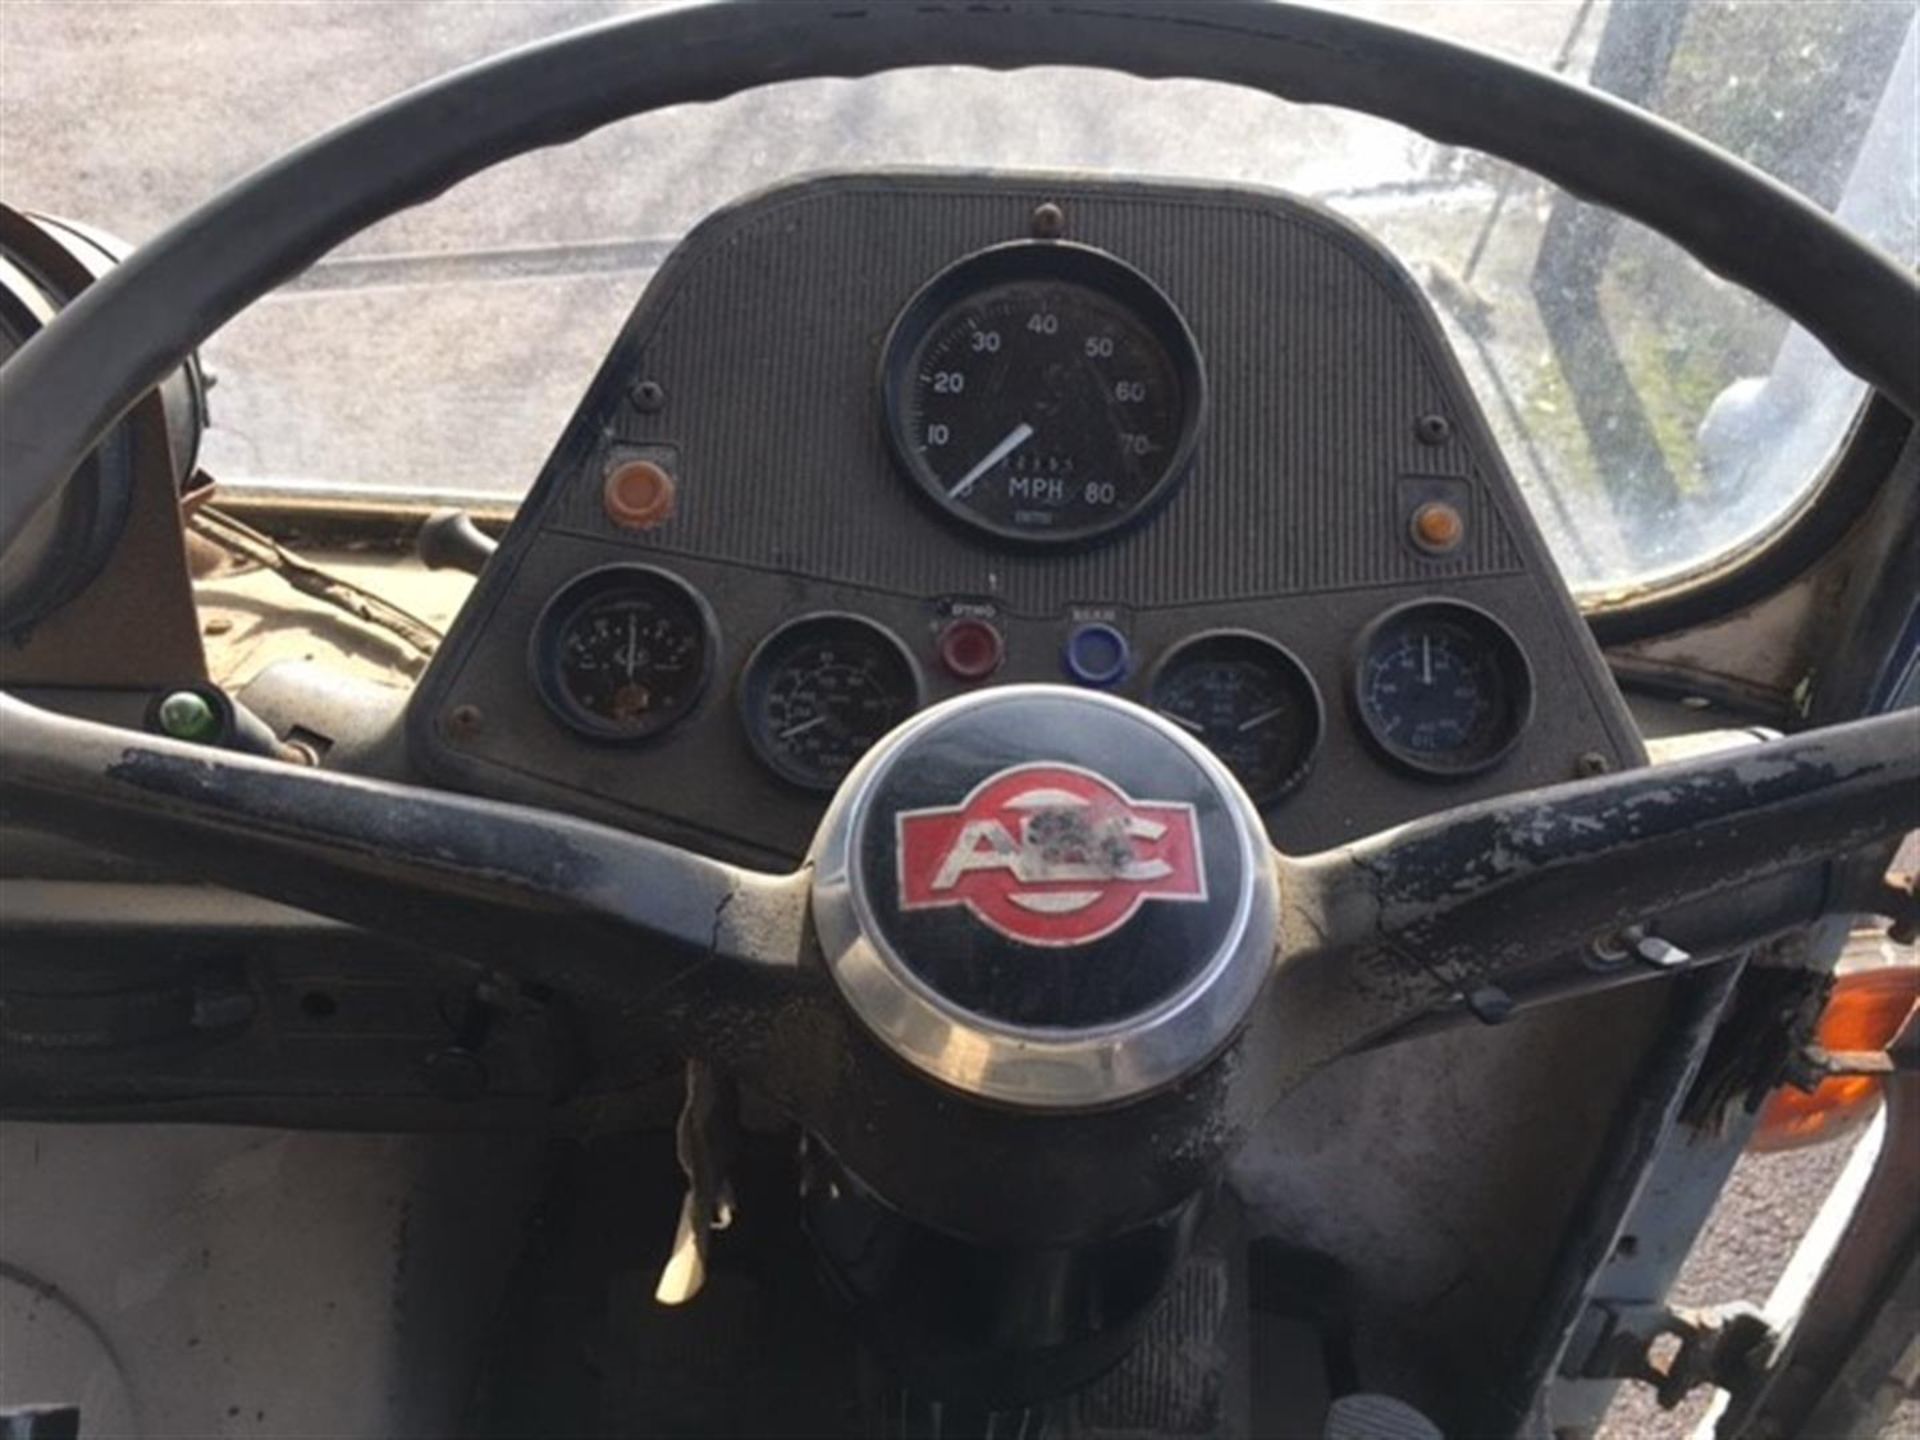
point(1225, 974)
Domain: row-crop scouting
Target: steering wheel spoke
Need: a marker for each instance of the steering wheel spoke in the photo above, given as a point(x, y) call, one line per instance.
point(609, 917)
point(1651, 868)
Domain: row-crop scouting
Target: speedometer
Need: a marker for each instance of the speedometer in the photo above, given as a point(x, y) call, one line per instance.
point(1043, 392)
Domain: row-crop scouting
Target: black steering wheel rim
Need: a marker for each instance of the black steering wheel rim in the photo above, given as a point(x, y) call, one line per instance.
point(67, 387)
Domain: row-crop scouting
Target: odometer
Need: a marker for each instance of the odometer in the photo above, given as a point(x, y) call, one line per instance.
point(1043, 392)
point(1442, 687)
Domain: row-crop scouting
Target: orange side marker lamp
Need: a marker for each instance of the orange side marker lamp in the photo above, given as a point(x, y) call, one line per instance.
point(1864, 1013)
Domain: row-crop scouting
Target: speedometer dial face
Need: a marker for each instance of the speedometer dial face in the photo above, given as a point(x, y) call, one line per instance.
point(1249, 701)
point(622, 653)
point(1043, 392)
point(820, 691)
point(1442, 687)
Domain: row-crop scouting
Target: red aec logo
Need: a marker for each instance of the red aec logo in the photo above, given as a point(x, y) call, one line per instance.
point(1049, 855)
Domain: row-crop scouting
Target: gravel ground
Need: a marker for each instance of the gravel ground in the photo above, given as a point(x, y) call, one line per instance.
point(1762, 1214)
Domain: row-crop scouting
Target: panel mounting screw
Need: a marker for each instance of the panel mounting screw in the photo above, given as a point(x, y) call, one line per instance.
point(648, 397)
point(1432, 430)
point(1612, 950)
point(464, 721)
point(1049, 221)
point(1591, 764)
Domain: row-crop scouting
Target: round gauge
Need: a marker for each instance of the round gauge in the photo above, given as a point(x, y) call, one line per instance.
point(820, 690)
point(1043, 392)
point(623, 653)
point(1442, 687)
point(1249, 701)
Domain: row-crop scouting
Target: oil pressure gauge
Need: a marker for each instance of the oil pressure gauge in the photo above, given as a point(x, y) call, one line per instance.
point(1249, 701)
point(820, 690)
point(1442, 688)
point(623, 653)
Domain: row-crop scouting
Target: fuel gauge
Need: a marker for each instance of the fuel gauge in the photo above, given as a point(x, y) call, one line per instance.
point(820, 691)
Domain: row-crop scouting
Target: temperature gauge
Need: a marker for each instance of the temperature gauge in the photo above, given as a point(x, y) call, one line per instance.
point(820, 691)
point(622, 653)
point(1249, 701)
point(1442, 688)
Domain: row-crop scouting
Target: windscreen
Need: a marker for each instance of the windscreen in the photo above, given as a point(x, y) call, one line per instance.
point(1660, 421)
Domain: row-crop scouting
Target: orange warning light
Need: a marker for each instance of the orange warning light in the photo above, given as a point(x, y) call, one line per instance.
point(638, 495)
point(1437, 527)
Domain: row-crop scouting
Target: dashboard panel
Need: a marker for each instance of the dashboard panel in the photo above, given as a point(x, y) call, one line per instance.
point(869, 441)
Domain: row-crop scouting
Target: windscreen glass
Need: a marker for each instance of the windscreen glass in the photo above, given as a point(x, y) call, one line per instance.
point(1659, 420)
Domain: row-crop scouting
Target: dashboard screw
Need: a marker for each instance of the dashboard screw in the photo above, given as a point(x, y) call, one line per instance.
point(1432, 430)
point(464, 721)
point(1591, 764)
point(1611, 951)
point(648, 397)
point(1049, 221)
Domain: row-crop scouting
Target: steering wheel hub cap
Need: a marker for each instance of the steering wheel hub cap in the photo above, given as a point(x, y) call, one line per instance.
point(1046, 897)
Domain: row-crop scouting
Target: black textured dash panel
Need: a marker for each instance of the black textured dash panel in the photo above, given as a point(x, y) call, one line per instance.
point(763, 335)
point(1319, 362)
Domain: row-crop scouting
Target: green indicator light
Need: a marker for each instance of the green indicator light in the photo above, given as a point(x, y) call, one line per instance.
point(186, 715)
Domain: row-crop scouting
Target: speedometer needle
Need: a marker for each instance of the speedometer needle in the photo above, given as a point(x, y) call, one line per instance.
point(801, 728)
point(1016, 437)
point(1258, 720)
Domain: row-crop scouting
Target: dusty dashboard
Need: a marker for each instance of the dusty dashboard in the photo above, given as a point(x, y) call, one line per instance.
point(870, 441)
